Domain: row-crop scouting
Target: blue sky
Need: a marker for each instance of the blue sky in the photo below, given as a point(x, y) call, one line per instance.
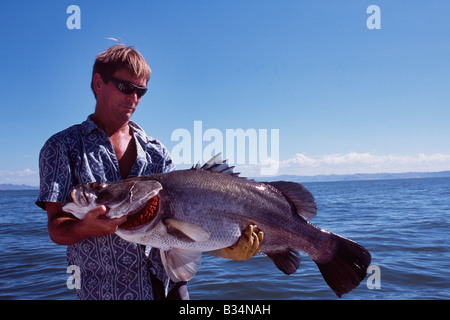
point(344, 98)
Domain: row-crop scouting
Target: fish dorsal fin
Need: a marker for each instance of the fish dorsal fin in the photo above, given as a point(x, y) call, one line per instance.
point(301, 198)
point(179, 264)
point(186, 231)
point(217, 165)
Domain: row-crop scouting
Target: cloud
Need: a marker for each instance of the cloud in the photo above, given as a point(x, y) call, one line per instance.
point(365, 163)
point(354, 162)
point(304, 165)
point(26, 176)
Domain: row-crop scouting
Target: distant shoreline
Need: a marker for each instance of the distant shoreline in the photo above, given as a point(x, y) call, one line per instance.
point(316, 178)
point(9, 186)
point(358, 177)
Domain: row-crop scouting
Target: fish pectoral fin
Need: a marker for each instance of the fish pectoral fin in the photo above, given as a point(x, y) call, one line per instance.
point(186, 231)
point(76, 210)
point(287, 261)
point(181, 265)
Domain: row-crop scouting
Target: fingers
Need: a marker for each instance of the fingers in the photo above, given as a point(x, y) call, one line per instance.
point(260, 236)
point(99, 211)
point(99, 215)
point(255, 242)
point(248, 233)
point(246, 247)
point(120, 220)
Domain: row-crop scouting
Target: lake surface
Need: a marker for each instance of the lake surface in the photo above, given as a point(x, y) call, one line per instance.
point(403, 223)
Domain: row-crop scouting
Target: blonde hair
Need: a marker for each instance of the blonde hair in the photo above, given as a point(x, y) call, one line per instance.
point(120, 57)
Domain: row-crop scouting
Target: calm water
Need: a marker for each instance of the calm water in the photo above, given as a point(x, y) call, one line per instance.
point(403, 223)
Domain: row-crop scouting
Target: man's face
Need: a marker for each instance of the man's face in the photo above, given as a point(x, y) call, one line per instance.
point(115, 105)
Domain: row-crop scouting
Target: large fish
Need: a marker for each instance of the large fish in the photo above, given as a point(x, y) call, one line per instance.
point(187, 212)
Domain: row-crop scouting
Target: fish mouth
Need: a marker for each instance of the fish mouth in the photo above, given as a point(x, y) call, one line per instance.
point(82, 197)
point(142, 215)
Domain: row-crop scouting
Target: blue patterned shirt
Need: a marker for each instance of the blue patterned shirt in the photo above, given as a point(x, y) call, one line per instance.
point(111, 268)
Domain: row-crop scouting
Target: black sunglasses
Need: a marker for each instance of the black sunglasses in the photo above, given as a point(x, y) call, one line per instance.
point(127, 87)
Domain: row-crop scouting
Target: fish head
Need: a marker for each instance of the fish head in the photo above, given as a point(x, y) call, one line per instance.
point(125, 197)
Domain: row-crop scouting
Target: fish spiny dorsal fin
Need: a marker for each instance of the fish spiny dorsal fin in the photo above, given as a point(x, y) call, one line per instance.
point(217, 165)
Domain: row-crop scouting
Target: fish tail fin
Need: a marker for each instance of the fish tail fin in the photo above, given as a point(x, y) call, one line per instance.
point(347, 268)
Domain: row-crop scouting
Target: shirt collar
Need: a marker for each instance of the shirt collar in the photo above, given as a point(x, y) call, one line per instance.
point(137, 130)
point(89, 125)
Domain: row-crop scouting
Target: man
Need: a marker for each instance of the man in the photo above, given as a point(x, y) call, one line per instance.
point(109, 147)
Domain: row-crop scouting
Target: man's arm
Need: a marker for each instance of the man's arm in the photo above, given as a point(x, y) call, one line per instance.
point(65, 229)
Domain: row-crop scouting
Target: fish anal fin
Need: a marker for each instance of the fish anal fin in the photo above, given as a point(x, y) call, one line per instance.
point(181, 265)
point(287, 261)
point(186, 231)
point(299, 196)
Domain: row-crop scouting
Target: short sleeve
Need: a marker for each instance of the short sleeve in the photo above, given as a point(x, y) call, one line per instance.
point(168, 162)
point(55, 173)
point(153, 157)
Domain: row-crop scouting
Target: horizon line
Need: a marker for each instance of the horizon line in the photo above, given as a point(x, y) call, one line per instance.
point(434, 174)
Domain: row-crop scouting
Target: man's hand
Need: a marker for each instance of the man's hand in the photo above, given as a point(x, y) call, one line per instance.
point(64, 228)
point(95, 224)
point(246, 247)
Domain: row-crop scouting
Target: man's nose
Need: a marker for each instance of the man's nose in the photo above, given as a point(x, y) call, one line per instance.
point(132, 97)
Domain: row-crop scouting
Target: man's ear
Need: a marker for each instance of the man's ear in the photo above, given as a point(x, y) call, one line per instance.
point(98, 83)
